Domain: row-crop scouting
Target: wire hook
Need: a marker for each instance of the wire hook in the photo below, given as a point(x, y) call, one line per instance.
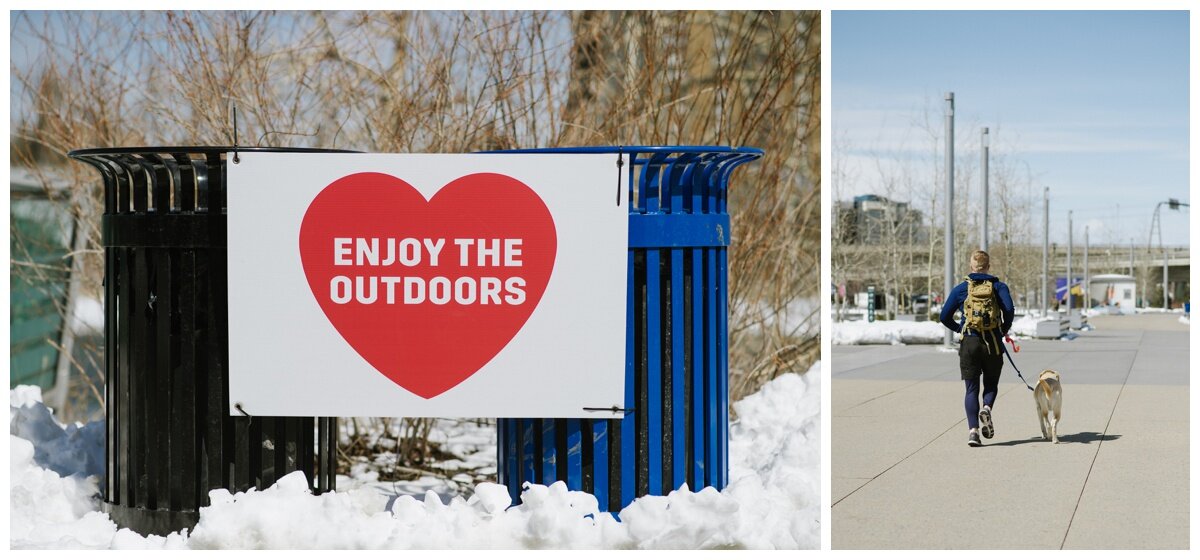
point(620, 164)
point(236, 159)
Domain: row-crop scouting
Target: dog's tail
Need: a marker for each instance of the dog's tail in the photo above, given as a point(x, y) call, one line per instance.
point(1045, 387)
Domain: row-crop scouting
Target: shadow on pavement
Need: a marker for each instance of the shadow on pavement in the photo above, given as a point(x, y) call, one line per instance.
point(1081, 437)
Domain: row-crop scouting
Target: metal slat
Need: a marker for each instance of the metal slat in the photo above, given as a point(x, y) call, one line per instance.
point(215, 412)
point(587, 457)
point(160, 178)
point(322, 445)
point(305, 452)
point(141, 382)
point(240, 466)
point(549, 455)
point(285, 445)
point(722, 374)
point(654, 372)
point(141, 190)
point(712, 412)
point(123, 288)
point(529, 449)
point(184, 407)
point(675, 177)
point(167, 478)
point(699, 409)
point(678, 335)
point(600, 460)
point(509, 463)
point(625, 468)
point(641, 393)
point(260, 460)
point(111, 441)
point(186, 181)
point(333, 452)
point(574, 454)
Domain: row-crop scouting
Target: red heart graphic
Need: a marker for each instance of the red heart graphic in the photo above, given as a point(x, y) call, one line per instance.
point(428, 326)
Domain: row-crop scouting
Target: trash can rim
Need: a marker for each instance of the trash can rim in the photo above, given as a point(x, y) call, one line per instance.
point(631, 149)
point(195, 149)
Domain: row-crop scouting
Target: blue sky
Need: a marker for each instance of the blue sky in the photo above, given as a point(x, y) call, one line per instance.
point(1092, 104)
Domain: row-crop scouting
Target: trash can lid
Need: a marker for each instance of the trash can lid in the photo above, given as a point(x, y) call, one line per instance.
point(193, 150)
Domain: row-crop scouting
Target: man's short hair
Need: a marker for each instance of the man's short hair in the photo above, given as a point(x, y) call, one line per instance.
point(980, 261)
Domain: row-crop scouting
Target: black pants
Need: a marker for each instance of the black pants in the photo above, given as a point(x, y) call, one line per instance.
point(974, 361)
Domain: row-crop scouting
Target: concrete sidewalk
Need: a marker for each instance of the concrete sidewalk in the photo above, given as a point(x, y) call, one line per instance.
point(903, 476)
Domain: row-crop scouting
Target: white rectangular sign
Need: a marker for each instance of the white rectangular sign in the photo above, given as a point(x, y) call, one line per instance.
point(481, 285)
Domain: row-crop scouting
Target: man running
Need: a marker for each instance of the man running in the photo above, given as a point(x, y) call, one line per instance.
point(987, 315)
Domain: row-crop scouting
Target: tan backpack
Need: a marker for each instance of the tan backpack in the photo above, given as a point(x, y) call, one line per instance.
point(981, 312)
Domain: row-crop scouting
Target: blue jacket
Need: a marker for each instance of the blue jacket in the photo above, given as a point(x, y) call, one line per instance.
point(958, 295)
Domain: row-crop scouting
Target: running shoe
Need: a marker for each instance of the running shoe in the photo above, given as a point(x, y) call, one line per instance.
point(985, 422)
point(973, 439)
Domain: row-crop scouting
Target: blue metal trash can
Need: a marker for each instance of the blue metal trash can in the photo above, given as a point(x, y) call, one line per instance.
point(676, 354)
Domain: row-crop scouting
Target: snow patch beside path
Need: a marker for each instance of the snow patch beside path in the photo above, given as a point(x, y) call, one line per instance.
point(1024, 326)
point(772, 502)
point(888, 332)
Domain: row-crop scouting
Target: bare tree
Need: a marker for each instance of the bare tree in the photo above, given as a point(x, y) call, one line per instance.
point(455, 82)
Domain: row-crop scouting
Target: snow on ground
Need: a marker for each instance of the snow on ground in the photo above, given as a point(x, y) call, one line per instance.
point(888, 332)
point(1024, 327)
point(773, 500)
point(53, 477)
point(910, 332)
point(1185, 320)
point(471, 442)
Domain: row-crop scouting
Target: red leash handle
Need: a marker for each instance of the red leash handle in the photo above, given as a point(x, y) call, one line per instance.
point(1013, 343)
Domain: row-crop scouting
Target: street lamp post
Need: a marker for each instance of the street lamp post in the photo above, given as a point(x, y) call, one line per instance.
point(983, 235)
point(1087, 283)
point(1172, 204)
point(1070, 242)
point(949, 242)
point(1045, 249)
point(1131, 256)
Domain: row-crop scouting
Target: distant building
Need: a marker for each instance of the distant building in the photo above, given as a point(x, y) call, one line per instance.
point(39, 242)
point(872, 219)
point(1117, 292)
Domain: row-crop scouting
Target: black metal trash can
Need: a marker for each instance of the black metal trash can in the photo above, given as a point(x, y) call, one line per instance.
point(170, 437)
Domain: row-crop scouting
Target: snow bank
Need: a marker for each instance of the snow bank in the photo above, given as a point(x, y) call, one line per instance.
point(772, 502)
point(888, 332)
point(53, 478)
point(909, 332)
point(76, 449)
point(775, 462)
point(1024, 326)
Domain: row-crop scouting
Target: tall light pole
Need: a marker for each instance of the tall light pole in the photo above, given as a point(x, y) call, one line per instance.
point(1130, 256)
point(983, 235)
point(1045, 249)
point(1087, 283)
point(949, 283)
point(1173, 204)
point(1070, 242)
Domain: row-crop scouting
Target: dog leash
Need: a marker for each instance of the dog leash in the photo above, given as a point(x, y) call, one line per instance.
point(1010, 360)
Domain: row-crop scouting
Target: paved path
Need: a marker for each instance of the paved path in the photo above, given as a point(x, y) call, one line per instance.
point(903, 476)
